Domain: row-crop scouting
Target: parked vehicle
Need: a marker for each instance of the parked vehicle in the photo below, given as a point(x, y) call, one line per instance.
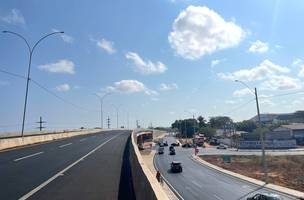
point(166, 144)
point(176, 167)
point(161, 150)
point(221, 146)
point(264, 196)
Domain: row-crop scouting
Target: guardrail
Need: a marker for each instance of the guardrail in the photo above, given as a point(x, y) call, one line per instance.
point(144, 182)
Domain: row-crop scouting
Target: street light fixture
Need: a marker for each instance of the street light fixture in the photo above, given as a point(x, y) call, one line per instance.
point(101, 98)
point(264, 163)
point(31, 51)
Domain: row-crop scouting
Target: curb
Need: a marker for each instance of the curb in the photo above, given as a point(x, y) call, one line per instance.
point(281, 189)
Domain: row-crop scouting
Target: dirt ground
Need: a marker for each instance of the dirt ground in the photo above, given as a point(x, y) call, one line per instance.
point(287, 171)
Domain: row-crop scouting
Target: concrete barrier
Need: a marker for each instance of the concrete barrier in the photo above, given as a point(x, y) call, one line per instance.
point(144, 182)
point(6, 143)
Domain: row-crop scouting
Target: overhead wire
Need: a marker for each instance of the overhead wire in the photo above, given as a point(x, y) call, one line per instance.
point(47, 90)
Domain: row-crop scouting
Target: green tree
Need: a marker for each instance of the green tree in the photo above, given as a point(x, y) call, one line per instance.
point(246, 125)
point(201, 122)
point(221, 122)
point(207, 131)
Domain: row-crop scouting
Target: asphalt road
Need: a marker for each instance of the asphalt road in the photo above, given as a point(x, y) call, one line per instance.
point(81, 167)
point(199, 182)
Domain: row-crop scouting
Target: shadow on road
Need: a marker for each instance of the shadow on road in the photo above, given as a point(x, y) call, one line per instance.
point(126, 190)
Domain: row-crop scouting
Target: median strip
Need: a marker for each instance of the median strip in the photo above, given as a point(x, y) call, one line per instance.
point(35, 154)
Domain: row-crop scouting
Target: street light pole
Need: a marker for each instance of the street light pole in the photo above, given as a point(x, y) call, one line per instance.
point(101, 98)
point(117, 109)
point(31, 51)
point(264, 163)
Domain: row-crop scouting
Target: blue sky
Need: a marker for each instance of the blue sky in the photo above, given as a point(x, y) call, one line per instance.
point(158, 59)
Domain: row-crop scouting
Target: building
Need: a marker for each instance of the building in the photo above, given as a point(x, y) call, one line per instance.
point(294, 131)
point(268, 118)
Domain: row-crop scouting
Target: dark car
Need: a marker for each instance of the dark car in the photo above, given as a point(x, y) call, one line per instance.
point(186, 145)
point(166, 144)
point(176, 167)
point(172, 152)
point(175, 144)
point(265, 196)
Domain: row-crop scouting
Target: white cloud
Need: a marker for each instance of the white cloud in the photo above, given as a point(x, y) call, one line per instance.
point(301, 72)
point(131, 86)
point(267, 102)
point(258, 47)
point(281, 82)
point(198, 31)
point(63, 88)
point(14, 17)
point(297, 62)
point(155, 99)
point(263, 70)
point(215, 62)
point(62, 66)
point(230, 102)
point(166, 87)
point(66, 38)
point(241, 92)
point(146, 67)
point(106, 45)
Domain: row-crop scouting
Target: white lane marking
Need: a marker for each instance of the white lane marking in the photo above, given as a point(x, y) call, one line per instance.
point(83, 139)
point(219, 198)
point(26, 196)
point(35, 154)
point(64, 145)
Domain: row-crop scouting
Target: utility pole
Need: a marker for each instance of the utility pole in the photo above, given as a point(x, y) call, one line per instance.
point(31, 51)
point(108, 122)
point(264, 162)
point(40, 124)
point(261, 137)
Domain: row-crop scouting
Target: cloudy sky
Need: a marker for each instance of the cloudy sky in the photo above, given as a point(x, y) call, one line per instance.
point(161, 60)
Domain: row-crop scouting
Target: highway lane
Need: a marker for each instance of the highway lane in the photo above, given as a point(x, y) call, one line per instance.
point(24, 169)
point(199, 182)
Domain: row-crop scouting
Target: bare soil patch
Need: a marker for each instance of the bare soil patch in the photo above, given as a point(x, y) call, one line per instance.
point(287, 171)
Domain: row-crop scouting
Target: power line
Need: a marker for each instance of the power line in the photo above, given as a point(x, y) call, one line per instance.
point(238, 107)
point(284, 94)
point(12, 74)
point(46, 89)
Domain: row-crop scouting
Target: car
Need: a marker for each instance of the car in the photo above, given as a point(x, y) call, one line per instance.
point(161, 150)
point(171, 147)
point(221, 146)
point(186, 145)
point(176, 167)
point(265, 196)
point(172, 152)
point(166, 144)
point(175, 144)
point(161, 144)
